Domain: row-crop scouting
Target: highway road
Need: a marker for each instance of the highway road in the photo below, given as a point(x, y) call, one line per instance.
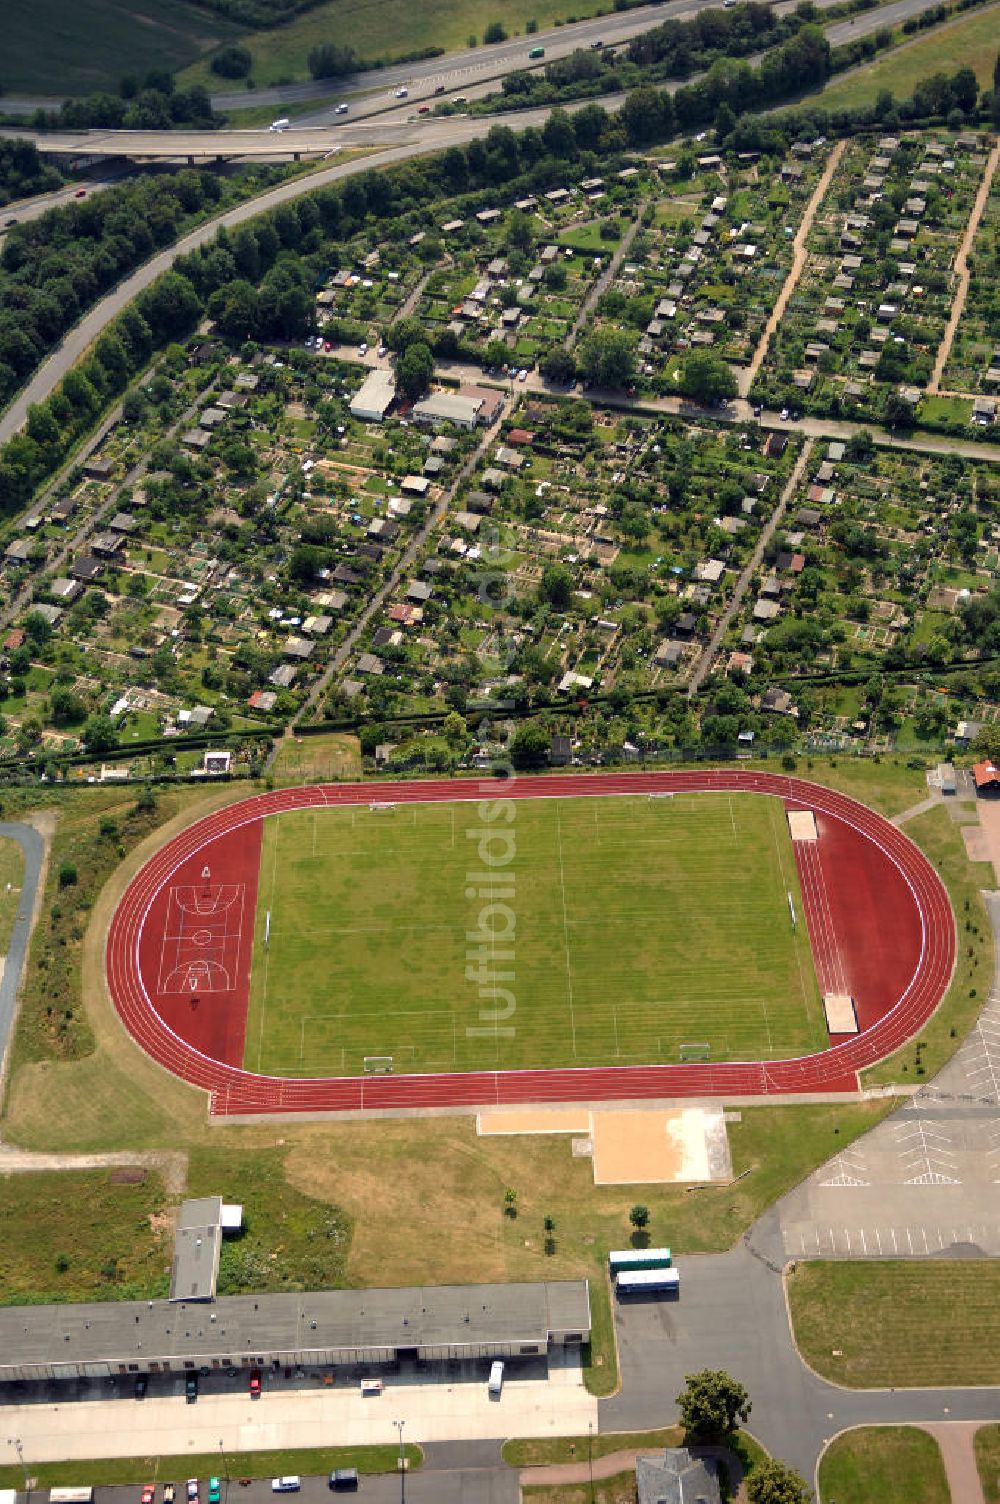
point(398, 137)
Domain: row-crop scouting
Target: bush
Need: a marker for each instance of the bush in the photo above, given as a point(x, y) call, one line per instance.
point(67, 875)
point(494, 33)
point(232, 62)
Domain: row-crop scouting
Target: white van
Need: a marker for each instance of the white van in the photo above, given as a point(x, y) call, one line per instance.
point(495, 1385)
point(279, 125)
point(287, 1485)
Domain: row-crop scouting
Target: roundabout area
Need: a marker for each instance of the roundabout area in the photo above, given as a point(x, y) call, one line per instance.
point(669, 1000)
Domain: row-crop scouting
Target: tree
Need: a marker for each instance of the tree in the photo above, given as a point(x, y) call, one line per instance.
point(99, 734)
point(415, 369)
point(529, 746)
point(607, 359)
point(556, 586)
point(494, 33)
point(558, 365)
point(455, 729)
point(706, 378)
point(510, 1202)
point(773, 1482)
point(713, 1404)
point(639, 1217)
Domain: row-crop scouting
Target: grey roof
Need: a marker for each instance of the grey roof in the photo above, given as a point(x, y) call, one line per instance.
point(196, 1249)
point(351, 1321)
point(677, 1478)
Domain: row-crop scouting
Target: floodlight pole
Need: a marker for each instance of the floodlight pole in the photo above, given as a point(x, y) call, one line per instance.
point(399, 1424)
point(15, 1442)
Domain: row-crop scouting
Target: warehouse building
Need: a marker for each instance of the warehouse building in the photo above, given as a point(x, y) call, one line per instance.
point(330, 1328)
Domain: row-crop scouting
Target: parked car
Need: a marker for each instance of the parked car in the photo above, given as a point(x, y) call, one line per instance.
point(255, 1384)
point(192, 1488)
point(439, 89)
point(214, 1491)
point(140, 1387)
point(169, 1493)
point(148, 1494)
point(343, 1478)
point(341, 109)
point(191, 1388)
point(424, 109)
point(80, 193)
point(402, 92)
point(290, 1484)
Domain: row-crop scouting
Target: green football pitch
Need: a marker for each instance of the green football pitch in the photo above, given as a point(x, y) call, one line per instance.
point(618, 930)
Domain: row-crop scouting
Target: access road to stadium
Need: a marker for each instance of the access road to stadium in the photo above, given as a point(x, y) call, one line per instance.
point(32, 845)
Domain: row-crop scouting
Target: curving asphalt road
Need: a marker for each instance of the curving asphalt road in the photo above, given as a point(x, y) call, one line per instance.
point(33, 847)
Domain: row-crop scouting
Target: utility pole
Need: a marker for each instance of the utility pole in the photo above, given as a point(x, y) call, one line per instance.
point(590, 1456)
point(225, 1468)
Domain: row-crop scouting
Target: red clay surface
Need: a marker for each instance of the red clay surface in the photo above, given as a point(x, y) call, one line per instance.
point(879, 920)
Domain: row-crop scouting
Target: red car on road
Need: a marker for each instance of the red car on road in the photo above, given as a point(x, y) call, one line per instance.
point(149, 1493)
point(255, 1384)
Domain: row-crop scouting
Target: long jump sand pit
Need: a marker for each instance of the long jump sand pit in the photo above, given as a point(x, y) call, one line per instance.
point(632, 1145)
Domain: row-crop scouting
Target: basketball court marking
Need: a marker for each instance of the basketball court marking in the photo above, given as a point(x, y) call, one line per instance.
point(200, 947)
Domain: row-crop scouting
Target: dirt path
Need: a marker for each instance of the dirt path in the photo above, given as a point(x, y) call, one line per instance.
point(747, 376)
point(172, 1166)
point(753, 564)
point(962, 270)
point(955, 1438)
point(606, 278)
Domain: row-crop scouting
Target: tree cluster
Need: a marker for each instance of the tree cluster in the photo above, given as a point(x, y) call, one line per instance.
point(23, 173)
point(53, 268)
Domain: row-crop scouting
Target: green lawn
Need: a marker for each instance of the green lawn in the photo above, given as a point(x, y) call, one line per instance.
point(881, 1465)
point(90, 44)
point(968, 42)
point(637, 925)
point(987, 1445)
point(897, 1323)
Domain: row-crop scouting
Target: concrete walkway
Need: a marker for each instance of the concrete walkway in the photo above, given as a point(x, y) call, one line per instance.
point(916, 809)
point(956, 1439)
point(171, 1165)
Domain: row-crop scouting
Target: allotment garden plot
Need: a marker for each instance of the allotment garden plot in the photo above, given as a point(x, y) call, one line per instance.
point(640, 925)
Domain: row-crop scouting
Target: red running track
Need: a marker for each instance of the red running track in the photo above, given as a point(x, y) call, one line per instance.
point(917, 901)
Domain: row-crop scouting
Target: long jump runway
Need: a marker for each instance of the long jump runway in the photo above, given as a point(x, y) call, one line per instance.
point(179, 944)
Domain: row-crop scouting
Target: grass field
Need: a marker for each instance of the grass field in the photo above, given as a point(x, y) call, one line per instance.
point(380, 30)
point(11, 878)
point(114, 1245)
point(987, 1445)
point(899, 1324)
point(90, 44)
point(883, 1464)
point(968, 42)
point(636, 925)
point(102, 1472)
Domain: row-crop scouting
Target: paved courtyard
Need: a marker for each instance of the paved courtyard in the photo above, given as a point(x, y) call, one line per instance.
point(432, 1410)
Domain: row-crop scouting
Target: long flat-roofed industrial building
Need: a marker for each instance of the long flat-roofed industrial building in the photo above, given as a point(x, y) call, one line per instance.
point(328, 1328)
